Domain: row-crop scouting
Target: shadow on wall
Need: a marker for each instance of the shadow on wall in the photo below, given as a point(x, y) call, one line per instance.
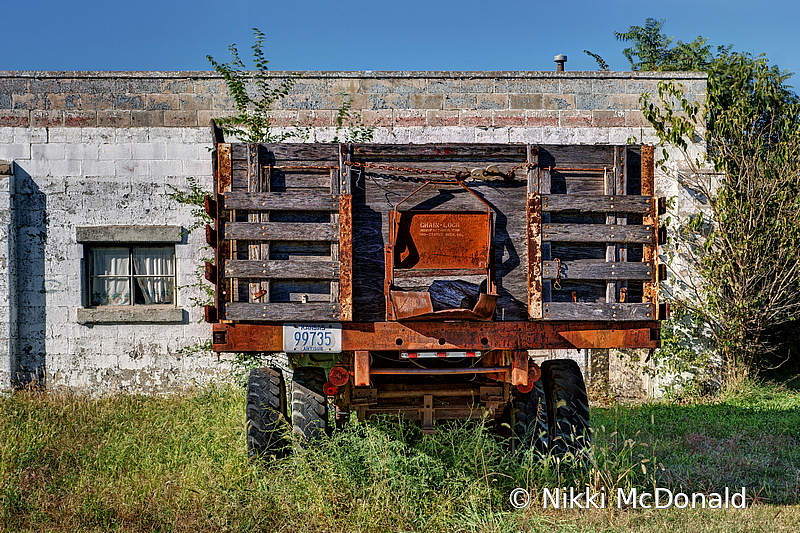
point(27, 237)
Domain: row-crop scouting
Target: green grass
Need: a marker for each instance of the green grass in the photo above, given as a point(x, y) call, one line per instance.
point(132, 463)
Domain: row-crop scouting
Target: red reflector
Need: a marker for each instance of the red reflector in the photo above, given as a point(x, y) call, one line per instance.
point(412, 355)
point(470, 354)
point(441, 354)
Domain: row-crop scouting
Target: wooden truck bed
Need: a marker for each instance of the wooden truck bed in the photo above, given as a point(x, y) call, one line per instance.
point(303, 233)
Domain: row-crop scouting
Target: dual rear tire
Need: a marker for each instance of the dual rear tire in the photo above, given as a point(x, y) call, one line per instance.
point(268, 434)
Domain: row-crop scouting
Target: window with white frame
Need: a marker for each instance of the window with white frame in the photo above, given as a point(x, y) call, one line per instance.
point(134, 275)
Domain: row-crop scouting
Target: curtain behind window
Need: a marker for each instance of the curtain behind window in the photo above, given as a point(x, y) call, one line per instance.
point(106, 288)
point(155, 262)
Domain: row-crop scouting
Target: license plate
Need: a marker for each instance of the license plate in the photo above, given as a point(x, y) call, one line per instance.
point(299, 338)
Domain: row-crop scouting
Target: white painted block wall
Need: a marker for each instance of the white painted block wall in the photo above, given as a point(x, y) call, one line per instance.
point(120, 176)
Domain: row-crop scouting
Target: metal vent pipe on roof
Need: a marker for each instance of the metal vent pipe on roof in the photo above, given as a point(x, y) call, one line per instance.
point(560, 59)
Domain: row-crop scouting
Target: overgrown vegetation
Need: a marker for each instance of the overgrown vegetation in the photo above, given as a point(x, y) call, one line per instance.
point(743, 245)
point(252, 122)
point(255, 92)
point(132, 463)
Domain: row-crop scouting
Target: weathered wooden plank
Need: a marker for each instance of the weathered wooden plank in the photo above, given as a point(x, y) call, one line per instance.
point(296, 180)
point(597, 311)
point(223, 168)
point(434, 272)
point(573, 156)
point(268, 231)
point(597, 270)
point(300, 152)
point(545, 187)
point(610, 188)
point(282, 312)
point(287, 200)
point(595, 204)
point(589, 291)
point(596, 233)
point(239, 150)
point(621, 170)
point(238, 179)
point(448, 151)
point(282, 269)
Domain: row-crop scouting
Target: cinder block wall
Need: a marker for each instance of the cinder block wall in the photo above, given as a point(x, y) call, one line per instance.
point(102, 148)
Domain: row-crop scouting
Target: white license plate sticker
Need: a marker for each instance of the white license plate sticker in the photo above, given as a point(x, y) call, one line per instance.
point(300, 338)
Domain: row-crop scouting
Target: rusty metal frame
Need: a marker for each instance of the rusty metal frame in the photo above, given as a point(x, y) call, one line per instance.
point(396, 336)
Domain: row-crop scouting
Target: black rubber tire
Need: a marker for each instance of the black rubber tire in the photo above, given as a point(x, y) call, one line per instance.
point(266, 414)
point(528, 420)
point(567, 407)
point(309, 403)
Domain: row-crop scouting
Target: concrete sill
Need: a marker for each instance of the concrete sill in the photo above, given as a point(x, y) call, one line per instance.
point(131, 315)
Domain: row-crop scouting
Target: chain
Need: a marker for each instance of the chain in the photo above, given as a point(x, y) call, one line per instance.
point(557, 282)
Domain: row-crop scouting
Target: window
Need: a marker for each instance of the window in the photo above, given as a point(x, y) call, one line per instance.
point(131, 275)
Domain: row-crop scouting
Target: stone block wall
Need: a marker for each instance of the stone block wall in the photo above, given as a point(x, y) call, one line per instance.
point(103, 148)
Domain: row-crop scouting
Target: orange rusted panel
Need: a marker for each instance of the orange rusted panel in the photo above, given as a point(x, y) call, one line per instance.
point(410, 303)
point(441, 240)
point(534, 213)
point(345, 257)
point(224, 168)
point(361, 369)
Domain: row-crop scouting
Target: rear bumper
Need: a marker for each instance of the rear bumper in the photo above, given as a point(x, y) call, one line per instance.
point(396, 336)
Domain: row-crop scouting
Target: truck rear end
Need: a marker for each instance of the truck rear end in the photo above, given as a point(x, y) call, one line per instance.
point(414, 279)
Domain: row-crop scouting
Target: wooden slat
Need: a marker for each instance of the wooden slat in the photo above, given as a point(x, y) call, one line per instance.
point(282, 312)
point(496, 152)
point(596, 233)
point(597, 270)
point(575, 156)
point(291, 269)
point(610, 188)
point(433, 272)
point(621, 170)
point(277, 231)
point(597, 311)
point(284, 201)
point(584, 203)
point(334, 189)
point(239, 150)
point(258, 290)
point(302, 152)
point(545, 187)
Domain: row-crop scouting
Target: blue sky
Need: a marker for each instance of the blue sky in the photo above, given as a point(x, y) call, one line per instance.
point(374, 35)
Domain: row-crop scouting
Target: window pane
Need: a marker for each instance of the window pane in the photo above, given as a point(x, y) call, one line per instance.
point(111, 290)
point(155, 262)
